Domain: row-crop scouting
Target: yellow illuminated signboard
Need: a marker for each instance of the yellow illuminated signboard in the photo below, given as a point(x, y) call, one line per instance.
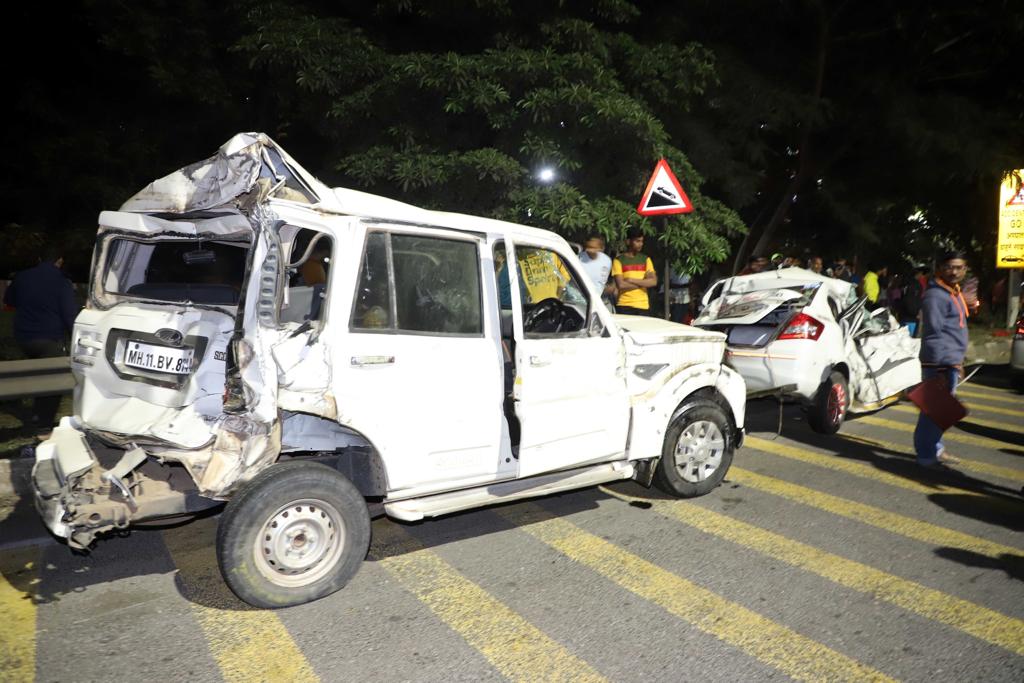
point(1010, 247)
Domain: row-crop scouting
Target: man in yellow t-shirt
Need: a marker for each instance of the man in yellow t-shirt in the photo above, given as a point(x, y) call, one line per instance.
point(871, 286)
point(634, 275)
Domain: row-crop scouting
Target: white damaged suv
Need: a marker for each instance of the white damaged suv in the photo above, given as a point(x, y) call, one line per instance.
point(314, 356)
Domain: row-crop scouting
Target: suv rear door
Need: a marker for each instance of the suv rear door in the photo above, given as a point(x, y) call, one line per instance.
point(154, 338)
point(419, 370)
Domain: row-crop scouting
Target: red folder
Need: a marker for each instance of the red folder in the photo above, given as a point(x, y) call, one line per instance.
point(933, 398)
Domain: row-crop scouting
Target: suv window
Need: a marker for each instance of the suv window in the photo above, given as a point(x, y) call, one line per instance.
point(553, 300)
point(200, 271)
point(419, 284)
point(307, 276)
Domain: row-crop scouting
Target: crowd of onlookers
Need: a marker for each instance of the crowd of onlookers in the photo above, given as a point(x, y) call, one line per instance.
point(629, 281)
point(901, 290)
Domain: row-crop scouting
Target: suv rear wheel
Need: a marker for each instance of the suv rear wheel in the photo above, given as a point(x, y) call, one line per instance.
point(697, 452)
point(295, 533)
point(828, 410)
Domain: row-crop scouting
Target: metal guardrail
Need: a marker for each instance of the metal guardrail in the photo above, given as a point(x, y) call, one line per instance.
point(36, 377)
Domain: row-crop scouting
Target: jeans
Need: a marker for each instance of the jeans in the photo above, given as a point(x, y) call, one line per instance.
point(927, 436)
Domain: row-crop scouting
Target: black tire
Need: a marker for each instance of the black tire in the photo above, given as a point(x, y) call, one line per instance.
point(692, 470)
point(306, 516)
point(828, 409)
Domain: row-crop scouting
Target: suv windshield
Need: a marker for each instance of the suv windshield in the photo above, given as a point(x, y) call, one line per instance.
point(196, 271)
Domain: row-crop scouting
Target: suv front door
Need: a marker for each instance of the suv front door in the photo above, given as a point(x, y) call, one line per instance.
point(570, 387)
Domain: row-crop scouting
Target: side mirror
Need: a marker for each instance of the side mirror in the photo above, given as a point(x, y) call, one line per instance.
point(595, 328)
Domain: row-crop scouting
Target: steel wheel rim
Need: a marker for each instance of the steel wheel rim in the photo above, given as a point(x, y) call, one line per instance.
point(836, 403)
point(300, 543)
point(699, 450)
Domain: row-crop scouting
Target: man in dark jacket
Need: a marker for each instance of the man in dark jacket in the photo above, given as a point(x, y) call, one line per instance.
point(45, 311)
point(943, 347)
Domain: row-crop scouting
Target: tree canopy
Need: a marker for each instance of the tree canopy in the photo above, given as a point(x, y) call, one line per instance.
point(821, 125)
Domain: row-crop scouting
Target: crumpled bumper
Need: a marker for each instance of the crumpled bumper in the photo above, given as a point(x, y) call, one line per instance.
point(60, 461)
point(79, 497)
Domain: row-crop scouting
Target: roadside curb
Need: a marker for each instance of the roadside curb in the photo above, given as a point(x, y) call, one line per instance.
point(989, 352)
point(15, 476)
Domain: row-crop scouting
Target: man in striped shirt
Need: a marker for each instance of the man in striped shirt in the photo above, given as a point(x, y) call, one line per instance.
point(634, 275)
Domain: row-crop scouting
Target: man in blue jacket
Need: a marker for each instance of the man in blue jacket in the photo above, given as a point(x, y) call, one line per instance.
point(45, 310)
point(943, 348)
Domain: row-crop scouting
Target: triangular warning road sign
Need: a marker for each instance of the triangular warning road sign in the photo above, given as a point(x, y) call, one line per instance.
point(664, 195)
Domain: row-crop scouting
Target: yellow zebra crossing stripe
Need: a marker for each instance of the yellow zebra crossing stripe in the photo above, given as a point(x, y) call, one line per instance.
point(517, 649)
point(968, 439)
point(976, 620)
point(965, 464)
point(247, 644)
point(858, 469)
point(931, 534)
point(998, 410)
point(987, 392)
point(970, 393)
point(774, 644)
point(19, 572)
point(1012, 427)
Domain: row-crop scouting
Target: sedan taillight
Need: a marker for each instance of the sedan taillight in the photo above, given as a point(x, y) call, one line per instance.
point(802, 326)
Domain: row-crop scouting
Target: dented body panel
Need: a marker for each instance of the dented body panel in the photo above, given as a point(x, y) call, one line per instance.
point(794, 328)
point(241, 312)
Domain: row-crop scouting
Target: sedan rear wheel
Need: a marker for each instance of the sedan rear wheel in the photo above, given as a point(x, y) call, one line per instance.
point(828, 411)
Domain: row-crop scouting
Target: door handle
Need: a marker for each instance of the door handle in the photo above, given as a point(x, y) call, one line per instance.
point(539, 361)
point(360, 361)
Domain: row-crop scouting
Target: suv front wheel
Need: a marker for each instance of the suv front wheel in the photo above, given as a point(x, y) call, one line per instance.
point(295, 533)
point(697, 452)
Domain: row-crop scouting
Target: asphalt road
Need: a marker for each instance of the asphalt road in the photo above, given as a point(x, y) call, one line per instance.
point(819, 558)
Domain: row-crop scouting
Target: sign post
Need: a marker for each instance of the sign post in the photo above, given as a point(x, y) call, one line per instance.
point(1010, 245)
point(663, 197)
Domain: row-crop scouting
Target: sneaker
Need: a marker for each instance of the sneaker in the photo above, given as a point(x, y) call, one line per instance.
point(946, 459)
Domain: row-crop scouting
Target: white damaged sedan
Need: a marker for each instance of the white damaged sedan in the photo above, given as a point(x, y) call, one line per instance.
point(799, 333)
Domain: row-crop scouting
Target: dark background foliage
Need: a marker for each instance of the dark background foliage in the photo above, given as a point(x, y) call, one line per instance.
point(794, 125)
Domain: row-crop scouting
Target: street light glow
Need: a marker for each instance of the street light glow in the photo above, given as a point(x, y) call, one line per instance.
point(546, 175)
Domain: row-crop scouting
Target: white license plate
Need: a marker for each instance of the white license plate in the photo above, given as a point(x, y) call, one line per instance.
point(158, 358)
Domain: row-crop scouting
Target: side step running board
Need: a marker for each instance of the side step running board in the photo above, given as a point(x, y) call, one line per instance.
point(415, 509)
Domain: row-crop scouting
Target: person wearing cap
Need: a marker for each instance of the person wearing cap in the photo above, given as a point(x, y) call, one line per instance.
point(944, 316)
point(634, 275)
